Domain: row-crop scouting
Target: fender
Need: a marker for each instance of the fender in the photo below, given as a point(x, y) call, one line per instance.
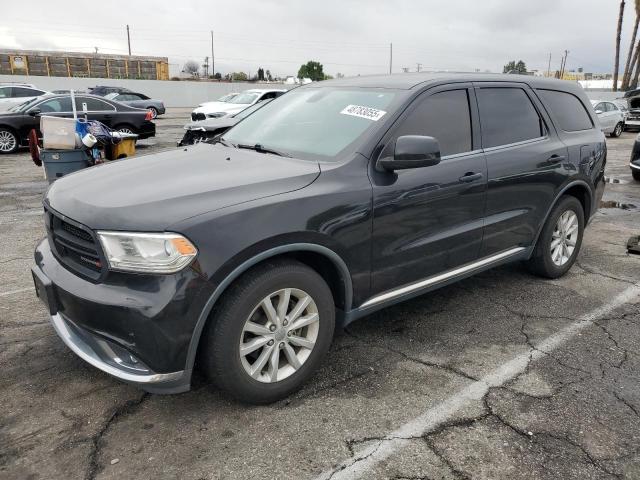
point(243, 267)
point(555, 200)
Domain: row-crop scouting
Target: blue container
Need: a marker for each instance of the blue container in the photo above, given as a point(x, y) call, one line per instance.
point(58, 163)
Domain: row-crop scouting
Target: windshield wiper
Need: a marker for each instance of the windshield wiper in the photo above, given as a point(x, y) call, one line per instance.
point(224, 142)
point(259, 148)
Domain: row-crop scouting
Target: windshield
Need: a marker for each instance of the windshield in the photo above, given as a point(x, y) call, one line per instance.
point(249, 110)
point(227, 97)
point(24, 106)
point(314, 122)
point(244, 98)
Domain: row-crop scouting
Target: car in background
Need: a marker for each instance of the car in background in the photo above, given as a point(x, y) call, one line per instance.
point(207, 130)
point(235, 105)
point(610, 116)
point(66, 90)
point(138, 100)
point(15, 94)
point(103, 90)
point(16, 124)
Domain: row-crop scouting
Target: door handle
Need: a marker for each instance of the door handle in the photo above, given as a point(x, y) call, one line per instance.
point(556, 158)
point(470, 177)
point(108, 116)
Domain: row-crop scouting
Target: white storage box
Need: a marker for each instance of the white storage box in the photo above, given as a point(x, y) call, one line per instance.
point(58, 133)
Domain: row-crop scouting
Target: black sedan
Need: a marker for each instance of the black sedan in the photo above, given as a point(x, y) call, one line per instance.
point(16, 124)
point(138, 100)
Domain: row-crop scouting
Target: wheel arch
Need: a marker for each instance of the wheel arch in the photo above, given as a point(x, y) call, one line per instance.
point(335, 272)
point(578, 189)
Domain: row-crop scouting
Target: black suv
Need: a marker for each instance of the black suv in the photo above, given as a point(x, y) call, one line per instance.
point(333, 201)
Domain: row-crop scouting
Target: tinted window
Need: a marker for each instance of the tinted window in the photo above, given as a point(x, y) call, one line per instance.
point(4, 92)
point(507, 116)
point(444, 116)
point(62, 104)
point(25, 92)
point(93, 104)
point(567, 109)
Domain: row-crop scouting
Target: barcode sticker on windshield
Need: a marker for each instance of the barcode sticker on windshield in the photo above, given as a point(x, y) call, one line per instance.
point(363, 112)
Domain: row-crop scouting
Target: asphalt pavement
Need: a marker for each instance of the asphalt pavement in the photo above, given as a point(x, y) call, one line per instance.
point(501, 376)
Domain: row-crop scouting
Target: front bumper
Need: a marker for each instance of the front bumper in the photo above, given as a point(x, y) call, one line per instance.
point(136, 328)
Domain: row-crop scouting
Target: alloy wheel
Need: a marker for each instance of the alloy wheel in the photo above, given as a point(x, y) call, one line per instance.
point(618, 131)
point(564, 238)
point(8, 141)
point(125, 130)
point(279, 335)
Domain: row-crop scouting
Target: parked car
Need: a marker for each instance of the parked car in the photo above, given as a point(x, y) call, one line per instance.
point(16, 124)
point(138, 100)
point(235, 104)
point(15, 94)
point(634, 164)
point(340, 198)
point(207, 130)
point(103, 90)
point(610, 116)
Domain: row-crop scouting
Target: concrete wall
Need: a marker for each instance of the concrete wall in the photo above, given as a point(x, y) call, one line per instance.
point(173, 94)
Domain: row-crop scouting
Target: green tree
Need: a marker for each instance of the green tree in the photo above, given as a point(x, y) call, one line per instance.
point(260, 74)
point(515, 67)
point(239, 77)
point(218, 76)
point(312, 70)
point(268, 75)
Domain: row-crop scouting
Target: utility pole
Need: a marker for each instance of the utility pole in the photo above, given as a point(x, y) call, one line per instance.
point(418, 65)
point(129, 40)
point(549, 66)
point(563, 63)
point(213, 71)
point(390, 57)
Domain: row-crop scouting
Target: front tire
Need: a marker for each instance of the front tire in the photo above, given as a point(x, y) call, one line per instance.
point(9, 142)
point(560, 240)
point(270, 333)
point(635, 174)
point(617, 131)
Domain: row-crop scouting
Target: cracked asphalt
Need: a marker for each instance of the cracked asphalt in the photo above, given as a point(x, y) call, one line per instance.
point(501, 376)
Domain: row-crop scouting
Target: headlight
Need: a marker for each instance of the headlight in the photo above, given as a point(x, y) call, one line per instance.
point(216, 115)
point(147, 252)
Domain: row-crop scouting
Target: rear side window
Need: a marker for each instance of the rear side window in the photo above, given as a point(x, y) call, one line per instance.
point(26, 92)
point(507, 116)
point(93, 104)
point(444, 116)
point(569, 111)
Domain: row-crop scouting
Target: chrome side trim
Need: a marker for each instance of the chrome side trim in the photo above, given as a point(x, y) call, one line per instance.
point(440, 277)
point(634, 166)
point(89, 355)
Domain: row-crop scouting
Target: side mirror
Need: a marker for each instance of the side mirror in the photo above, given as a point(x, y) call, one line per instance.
point(412, 151)
point(598, 112)
point(35, 112)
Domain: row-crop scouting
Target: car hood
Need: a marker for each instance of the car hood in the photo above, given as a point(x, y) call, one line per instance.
point(152, 192)
point(214, 107)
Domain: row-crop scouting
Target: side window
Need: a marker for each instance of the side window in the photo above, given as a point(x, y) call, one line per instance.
point(507, 116)
point(267, 96)
point(568, 110)
point(25, 92)
point(62, 104)
point(4, 92)
point(93, 104)
point(444, 116)
point(611, 107)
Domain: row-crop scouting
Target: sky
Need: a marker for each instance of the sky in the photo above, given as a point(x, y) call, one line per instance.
point(351, 37)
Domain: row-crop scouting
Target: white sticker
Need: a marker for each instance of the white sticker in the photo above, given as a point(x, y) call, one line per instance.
point(363, 112)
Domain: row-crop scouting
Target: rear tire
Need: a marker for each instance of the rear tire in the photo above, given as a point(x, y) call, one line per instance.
point(560, 240)
point(635, 174)
point(154, 112)
point(125, 129)
point(9, 142)
point(617, 131)
point(242, 321)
